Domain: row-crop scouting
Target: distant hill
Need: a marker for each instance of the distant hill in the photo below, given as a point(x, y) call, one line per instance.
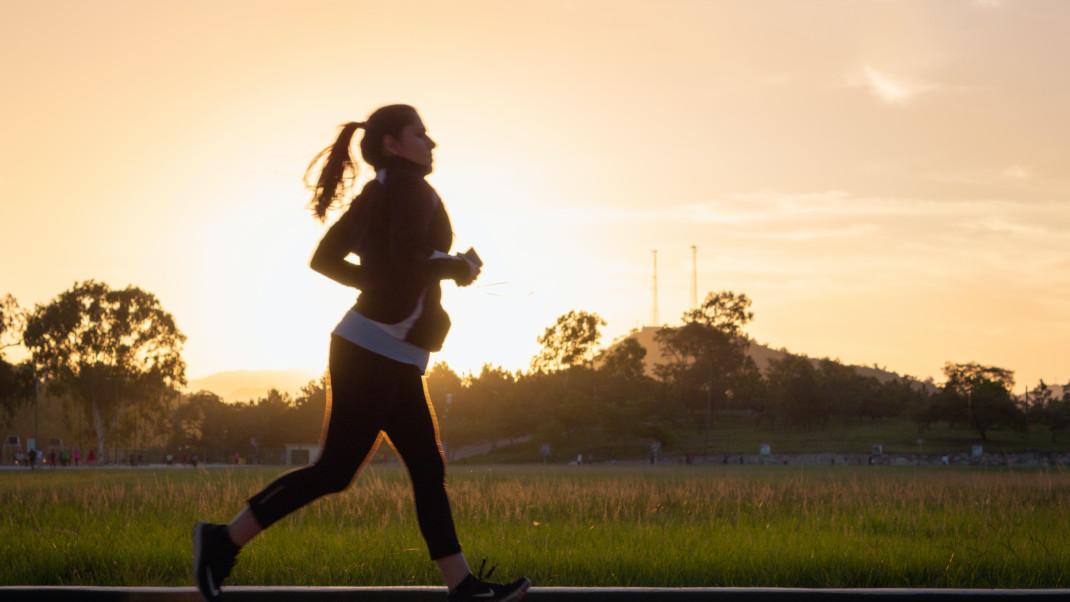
point(245, 385)
point(761, 354)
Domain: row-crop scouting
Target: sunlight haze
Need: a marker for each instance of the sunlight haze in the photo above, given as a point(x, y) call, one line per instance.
point(888, 181)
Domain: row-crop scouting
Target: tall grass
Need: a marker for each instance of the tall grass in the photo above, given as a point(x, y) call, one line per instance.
point(580, 525)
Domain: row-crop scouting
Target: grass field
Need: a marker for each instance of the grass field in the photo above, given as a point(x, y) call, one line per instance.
point(587, 525)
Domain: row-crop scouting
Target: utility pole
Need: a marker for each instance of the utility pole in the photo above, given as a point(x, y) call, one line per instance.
point(709, 411)
point(654, 321)
point(969, 406)
point(36, 400)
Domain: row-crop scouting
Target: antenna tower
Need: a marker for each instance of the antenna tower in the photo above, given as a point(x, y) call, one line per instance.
point(694, 277)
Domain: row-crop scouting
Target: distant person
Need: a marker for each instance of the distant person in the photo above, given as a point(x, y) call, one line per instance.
point(77, 457)
point(91, 458)
point(379, 351)
point(32, 458)
point(52, 459)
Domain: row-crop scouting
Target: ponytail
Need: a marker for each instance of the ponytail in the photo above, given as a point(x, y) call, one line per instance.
point(339, 168)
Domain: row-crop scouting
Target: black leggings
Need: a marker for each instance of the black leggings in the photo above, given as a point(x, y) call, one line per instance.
point(369, 393)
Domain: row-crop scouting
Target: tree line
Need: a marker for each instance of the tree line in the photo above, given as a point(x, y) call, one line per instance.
point(115, 358)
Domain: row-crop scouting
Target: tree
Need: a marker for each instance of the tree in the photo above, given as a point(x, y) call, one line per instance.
point(704, 363)
point(724, 311)
point(106, 349)
point(625, 404)
point(571, 341)
point(12, 323)
point(892, 398)
point(310, 410)
point(442, 381)
point(494, 391)
point(1051, 411)
point(274, 419)
point(980, 397)
point(795, 390)
point(16, 380)
point(961, 378)
point(192, 421)
point(16, 388)
point(624, 360)
point(841, 389)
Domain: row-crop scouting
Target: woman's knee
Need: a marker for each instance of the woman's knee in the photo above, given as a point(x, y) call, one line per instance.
point(333, 477)
point(428, 472)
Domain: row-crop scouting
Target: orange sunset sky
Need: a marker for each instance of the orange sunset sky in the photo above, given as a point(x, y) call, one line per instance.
point(889, 181)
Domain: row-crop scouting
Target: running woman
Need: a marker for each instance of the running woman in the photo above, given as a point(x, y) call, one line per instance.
point(379, 351)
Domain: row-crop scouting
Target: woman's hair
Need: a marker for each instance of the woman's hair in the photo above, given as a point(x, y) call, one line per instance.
point(339, 167)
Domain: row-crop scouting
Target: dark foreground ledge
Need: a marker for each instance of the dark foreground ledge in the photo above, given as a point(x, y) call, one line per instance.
point(535, 594)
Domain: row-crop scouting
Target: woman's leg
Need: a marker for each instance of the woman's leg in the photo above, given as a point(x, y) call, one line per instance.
point(361, 386)
point(413, 430)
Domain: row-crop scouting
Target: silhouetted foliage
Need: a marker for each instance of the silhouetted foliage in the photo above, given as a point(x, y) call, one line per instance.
point(16, 388)
point(979, 397)
point(1045, 408)
point(571, 341)
point(624, 360)
point(724, 311)
point(106, 349)
point(704, 364)
point(114, 356)
point(795, 392)
point(16, 380)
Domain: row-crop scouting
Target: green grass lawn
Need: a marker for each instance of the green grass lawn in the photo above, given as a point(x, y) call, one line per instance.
point(587, 525)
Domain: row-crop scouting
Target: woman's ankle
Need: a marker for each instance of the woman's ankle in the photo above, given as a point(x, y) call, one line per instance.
point(454, 570)
point(230, 537)
point(243, 528)
point(463, 583)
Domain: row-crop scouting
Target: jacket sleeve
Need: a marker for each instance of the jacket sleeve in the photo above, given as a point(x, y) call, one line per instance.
point(330, 256)
point(412, 206)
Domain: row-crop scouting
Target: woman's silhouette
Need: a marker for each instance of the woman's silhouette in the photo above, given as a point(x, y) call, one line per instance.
point(379, 351)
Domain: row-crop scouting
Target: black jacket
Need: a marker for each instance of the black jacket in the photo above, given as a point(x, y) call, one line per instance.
point(394, 226)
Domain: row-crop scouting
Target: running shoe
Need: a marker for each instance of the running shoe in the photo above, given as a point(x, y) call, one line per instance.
point(477, 588)
point(214, 555)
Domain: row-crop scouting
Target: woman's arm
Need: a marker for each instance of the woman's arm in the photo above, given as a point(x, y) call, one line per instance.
point(412, 207)
point(330, 256)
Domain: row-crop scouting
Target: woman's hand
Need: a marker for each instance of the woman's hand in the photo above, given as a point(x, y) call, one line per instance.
point(473, 270)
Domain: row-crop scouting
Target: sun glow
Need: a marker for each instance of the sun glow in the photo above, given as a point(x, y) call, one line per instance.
point(567, 151)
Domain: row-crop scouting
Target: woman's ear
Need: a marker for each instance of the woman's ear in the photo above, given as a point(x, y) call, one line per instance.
point(390, 145)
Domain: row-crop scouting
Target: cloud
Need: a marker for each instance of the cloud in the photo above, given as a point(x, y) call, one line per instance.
point(998, 223)
point(893, 90)
point(1016, 172)
point(835, 214)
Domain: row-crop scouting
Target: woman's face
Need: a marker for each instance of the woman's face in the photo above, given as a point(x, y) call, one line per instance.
point(414, 143)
